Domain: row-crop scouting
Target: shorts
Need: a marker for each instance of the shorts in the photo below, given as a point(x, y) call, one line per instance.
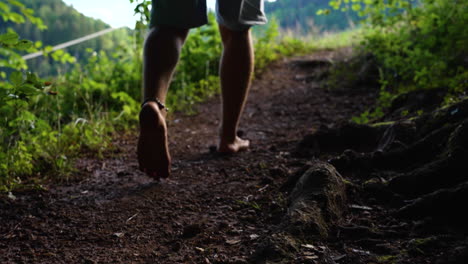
point(233, 14)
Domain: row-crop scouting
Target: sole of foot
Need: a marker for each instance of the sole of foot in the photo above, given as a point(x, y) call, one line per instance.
point(152, 150)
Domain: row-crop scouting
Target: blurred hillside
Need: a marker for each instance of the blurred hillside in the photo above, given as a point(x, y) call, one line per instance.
point(301, 16)
point(63, 23)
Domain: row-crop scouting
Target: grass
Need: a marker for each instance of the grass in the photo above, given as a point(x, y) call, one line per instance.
point(327, 40)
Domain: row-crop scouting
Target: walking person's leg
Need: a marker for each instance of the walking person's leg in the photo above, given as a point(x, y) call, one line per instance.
point(161, 54)
point(236, 70)
point(235, 17)
point(171, 20)
point(170, 23)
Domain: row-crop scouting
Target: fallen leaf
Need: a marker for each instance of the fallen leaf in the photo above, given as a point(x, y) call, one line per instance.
point(119, 235)
point(199, 249)
point(233, 241)
point(11, 196)
point(362, 252)
point(309, 246)
point(254, 236)
point(360, 207)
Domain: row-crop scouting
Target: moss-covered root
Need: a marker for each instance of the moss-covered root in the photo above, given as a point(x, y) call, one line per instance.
point(316, 202)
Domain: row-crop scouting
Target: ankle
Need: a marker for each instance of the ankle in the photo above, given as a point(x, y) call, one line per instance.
point(151, 118)
point(154, 108)
point(227, 136)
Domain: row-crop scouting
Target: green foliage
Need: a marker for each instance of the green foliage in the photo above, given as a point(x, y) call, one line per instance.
point(42, 125)
point(10, 42)
point(423, 46)
point(271, 46)
point(16, 12)
point(417, 44)
point(15, 123)
point(266, 46)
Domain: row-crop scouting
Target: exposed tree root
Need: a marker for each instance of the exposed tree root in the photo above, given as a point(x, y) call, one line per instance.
point(425, 157)
point(443, 205)
point(316, 205)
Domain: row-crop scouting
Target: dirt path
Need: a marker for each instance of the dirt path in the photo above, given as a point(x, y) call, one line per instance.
point(212, 210)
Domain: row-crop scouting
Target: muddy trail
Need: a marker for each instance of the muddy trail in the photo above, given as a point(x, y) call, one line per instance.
point(312, 189)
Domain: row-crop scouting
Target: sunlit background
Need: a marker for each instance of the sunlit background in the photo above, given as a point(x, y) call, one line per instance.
point(117, 13)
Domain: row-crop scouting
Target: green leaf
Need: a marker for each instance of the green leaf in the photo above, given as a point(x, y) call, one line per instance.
point(335, 4)
point(32, 78)
point(4, 7)
point(38, 44)
point(48, 49)
point(24, 44)
point(16, 3)
point(323, 12)
point(356, 7)
point(28, 89)
point(16, 78)
point(9, 38)
point(14, 17)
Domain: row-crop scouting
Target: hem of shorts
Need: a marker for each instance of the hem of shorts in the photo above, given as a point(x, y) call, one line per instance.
point(243, 26)
point(254, 23)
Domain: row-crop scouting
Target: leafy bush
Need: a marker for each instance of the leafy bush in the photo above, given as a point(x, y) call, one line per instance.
point(426, 45)
point(43, 124)
point(417, 44)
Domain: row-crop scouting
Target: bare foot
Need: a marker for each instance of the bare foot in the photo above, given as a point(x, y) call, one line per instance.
point(153, 152)
point(232, 147)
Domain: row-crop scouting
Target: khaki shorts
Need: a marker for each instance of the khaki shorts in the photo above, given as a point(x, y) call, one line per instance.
point(234, 14)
